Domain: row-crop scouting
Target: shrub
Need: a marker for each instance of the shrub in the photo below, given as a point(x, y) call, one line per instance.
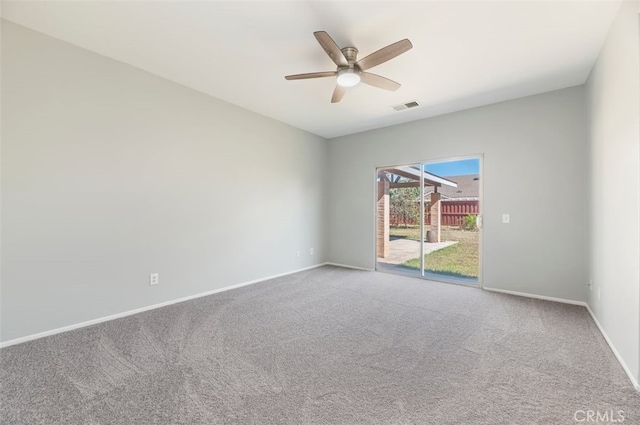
point(470, 222)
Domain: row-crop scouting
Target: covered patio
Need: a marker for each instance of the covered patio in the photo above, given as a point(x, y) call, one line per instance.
point(406, 177)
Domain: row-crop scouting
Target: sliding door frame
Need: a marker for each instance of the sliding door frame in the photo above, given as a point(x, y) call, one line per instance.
point(480, 158)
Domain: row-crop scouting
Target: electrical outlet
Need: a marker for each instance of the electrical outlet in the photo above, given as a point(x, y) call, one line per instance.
point(506, 218)
point(590, 285)
point(298, 253)
point(311, 251)
point(154, 278)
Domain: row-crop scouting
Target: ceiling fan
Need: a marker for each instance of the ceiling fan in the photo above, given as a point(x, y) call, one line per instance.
point(350, 71)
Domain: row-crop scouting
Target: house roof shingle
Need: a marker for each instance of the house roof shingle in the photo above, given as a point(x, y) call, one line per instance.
point(468, 188)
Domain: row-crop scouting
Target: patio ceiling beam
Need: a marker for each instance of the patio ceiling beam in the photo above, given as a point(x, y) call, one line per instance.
point(403, 173)
point(414, 174)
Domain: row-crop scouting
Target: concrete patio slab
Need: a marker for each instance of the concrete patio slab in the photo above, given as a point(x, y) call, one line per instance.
point(401, 250)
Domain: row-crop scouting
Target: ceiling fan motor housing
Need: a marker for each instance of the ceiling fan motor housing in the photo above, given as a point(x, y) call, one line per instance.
point(350, 53)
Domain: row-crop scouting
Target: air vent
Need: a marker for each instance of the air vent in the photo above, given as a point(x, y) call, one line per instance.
point(407, 105)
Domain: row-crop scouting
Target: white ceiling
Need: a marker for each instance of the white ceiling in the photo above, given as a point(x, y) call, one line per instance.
point(465, 54)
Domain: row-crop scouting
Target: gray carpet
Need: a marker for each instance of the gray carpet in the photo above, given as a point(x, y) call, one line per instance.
point(326, 346)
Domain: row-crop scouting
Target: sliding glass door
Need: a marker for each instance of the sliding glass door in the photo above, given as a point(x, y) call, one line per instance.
point(428, 220)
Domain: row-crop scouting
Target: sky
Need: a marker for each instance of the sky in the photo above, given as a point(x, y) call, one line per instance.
point(454, 168)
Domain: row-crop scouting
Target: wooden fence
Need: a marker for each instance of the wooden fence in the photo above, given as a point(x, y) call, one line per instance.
point(452, 212)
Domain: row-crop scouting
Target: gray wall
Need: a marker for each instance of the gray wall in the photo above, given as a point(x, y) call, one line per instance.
point(535, 158)
point(110, 173)
point(613, 103)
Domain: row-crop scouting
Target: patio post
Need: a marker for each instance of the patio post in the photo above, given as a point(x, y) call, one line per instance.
point(434, 212)
point(382, 238)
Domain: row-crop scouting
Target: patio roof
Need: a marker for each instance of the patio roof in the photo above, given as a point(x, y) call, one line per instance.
point(413, 174)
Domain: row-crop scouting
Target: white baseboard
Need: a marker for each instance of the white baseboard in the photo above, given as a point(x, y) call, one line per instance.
point(539, 297)
point(239, 285)
point(142, 309)
point(593, 316)
point(613, 348)
point(346, 266)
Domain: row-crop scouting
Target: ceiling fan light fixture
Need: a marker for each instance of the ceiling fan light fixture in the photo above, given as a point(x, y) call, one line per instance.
point(348, 77)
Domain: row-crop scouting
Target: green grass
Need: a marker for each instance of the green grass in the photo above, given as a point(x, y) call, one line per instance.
point(412, 233)
point(459, 260)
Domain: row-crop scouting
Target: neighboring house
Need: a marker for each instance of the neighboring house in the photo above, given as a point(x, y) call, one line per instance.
point(468, 189)
point(456, 202)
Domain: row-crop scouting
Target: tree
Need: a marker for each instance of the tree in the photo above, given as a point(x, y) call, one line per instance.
point(404, 203)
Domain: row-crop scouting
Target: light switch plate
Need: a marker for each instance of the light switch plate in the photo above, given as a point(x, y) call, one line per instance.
point(506, 218)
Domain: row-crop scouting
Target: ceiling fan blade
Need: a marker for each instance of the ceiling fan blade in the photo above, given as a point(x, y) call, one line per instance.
point(384, 54)
point(338, 94)
point(331, 48)
point(311, 75)
point(378, 81)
